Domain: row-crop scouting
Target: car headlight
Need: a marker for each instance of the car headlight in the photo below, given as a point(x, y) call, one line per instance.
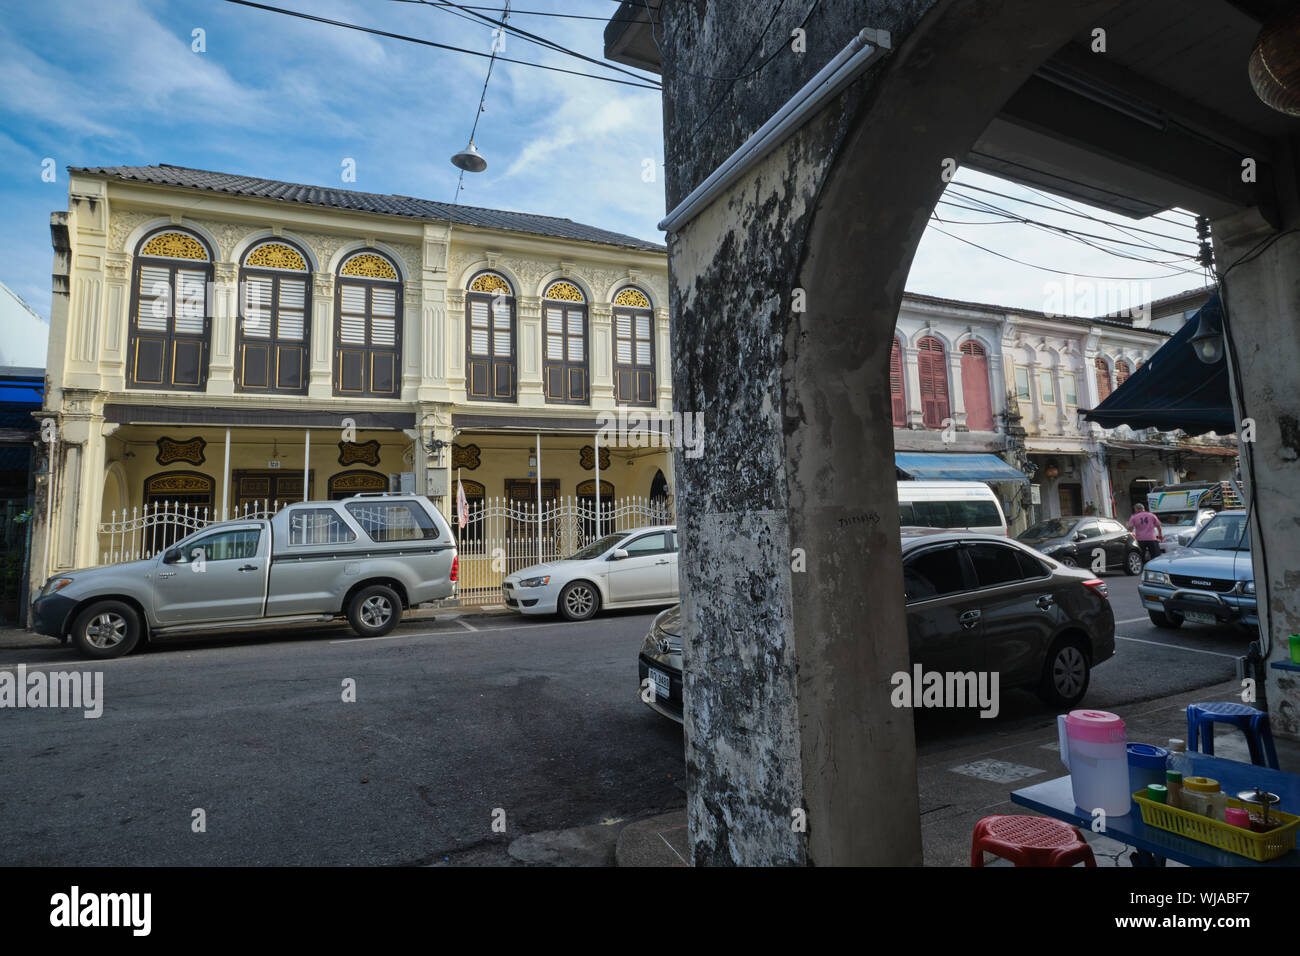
point(1156, 577)
point(55, 584)
point(535, 582)
point(1248, 587)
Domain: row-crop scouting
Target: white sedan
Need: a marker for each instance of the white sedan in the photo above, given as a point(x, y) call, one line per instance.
point(636, 568)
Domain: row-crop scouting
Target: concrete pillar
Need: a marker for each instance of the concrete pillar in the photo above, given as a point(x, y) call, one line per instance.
point(1261, 300)
point(912, 387)
point(956, 390)
point(795, 752)
point(1096, 481)
point(224, 317)
point(321, 381)
point(528, 341)
point(600, 358)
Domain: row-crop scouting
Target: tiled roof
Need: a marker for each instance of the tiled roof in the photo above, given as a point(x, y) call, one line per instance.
point(382, 204)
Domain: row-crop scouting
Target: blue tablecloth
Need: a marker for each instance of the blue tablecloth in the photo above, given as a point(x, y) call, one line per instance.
point(1055, 798)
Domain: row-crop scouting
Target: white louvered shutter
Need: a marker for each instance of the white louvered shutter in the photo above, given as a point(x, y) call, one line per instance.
point(155, 299)
point(478, 328)
point(191, 288)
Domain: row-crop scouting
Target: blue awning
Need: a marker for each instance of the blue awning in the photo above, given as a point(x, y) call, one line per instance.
point(958, 467)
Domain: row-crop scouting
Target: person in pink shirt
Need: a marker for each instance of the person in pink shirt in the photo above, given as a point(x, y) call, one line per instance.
point(1146, 528)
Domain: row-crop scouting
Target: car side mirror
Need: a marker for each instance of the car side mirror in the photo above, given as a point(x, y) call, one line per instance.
point(1078, 536)
point(619, 554)
point(172, 556)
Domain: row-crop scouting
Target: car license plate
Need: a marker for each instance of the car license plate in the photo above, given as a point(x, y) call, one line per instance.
point(1200, 617)
point(663, 685)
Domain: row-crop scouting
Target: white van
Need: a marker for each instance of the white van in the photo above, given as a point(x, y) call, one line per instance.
point(962, 505)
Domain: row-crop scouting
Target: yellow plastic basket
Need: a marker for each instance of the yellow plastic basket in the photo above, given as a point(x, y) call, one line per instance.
point(1247, 843)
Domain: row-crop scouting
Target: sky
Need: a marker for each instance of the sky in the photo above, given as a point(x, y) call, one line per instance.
point(120, 82)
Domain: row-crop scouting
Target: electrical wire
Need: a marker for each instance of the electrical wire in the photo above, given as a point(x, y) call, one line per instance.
point(663, 57)
point(482, 99)
point(1081, 215)
point(1078, 235)
point(455, 9)
point(431, 43)
point(1082, 275)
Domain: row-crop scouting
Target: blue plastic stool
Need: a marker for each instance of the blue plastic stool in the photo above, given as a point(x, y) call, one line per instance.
point(1201, 719)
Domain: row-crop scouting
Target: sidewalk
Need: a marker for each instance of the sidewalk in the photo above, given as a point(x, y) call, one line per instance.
point(973, 779)
point(17, 638)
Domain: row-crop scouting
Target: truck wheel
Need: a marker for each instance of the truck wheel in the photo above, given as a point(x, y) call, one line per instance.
point(106, 629)
point(1133, 563)
point(579, 601)
point(1161, 619)
point(375, 610)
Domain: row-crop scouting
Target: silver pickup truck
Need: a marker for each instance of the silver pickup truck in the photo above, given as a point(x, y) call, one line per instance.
point(365, 558)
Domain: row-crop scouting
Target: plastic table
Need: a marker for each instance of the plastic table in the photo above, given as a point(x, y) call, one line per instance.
point(1056, 799)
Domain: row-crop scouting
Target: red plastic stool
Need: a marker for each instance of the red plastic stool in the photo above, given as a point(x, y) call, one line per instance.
point(1029, 841)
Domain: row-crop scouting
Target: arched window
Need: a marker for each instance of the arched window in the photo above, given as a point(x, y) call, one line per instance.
point(274, 319)
point(897, 397)
point(932, 370)
point(179, 500)
point(358, 481)
point(490, 339)
point(587, 508)
point(1103, 379)
point(634, 348)
point(168, 340)
point(367, 330)
point(564, 349)
point(975, 387)
point(474, 497)
point(1122, 372)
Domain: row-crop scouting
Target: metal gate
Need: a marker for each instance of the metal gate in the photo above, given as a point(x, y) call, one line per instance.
point(502, 536)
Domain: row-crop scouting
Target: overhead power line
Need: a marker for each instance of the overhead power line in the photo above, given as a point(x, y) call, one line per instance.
point(441, 46)
point(1021, 262)
point(469, 13)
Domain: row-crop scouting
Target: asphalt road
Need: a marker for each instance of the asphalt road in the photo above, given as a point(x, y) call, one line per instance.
point(453, 721)
point(450, 724)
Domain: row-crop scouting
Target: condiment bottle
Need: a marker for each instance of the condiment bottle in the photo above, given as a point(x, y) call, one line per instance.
point(1157, 792)
point(1178, 759)
point(1201, 795)
point(1174, 784)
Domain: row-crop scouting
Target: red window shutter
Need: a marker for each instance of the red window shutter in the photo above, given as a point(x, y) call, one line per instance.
point(975, 387)
point(1121, 373)
point(897, 399)
point(934, 382)
point(1103, 379)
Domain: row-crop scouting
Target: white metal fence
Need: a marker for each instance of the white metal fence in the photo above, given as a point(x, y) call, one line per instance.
point(501, 535)
point(143, 532)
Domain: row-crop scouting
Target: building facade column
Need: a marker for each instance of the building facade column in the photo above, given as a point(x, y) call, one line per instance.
point(912, 387)
point(529, 344)
point(224, 311)
point(320, 383)
point(600, 358)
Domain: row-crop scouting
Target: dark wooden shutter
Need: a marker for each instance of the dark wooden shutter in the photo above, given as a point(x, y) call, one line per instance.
point(564, 352)
point(898, 400)
point(1103, 379)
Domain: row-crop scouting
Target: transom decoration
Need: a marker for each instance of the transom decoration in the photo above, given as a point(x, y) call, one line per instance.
point(276, 255)
point(368, 265)
point(566, 291)
point(175, 245)
point(634, 298)
point(178, 484)
point(491, 283)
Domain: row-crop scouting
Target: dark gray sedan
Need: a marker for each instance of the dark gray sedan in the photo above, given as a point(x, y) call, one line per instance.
point(975, 604)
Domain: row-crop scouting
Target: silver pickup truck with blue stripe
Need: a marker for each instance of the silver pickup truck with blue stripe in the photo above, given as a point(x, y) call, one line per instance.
point(364, 558)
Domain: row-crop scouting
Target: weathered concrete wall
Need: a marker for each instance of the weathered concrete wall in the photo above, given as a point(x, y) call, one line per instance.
point(787, 670)
point(1260, 271)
